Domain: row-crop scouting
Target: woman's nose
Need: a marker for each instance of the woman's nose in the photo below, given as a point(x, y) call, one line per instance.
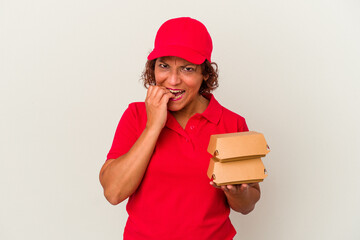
point(174, 78)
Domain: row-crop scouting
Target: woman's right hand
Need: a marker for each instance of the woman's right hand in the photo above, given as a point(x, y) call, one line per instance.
point(156, 102)
point(121, 177)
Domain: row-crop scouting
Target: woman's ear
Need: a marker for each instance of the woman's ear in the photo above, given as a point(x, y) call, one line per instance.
point(206, 77)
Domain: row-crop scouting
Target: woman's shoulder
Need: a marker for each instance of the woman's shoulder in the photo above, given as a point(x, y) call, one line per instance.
point(231, 114)
point(140, 106)
point(233, 120)
point(136, 110)
point(227, 113)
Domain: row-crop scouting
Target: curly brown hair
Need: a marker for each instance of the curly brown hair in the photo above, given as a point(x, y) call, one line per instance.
point(207, 69)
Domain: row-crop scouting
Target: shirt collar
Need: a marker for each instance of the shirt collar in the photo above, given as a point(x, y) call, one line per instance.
point(213, 111)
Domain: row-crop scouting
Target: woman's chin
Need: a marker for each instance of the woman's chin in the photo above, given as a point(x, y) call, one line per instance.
point(174, 106)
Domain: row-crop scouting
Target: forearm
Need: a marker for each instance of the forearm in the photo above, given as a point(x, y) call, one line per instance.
point(121, 177)
point(244, 202)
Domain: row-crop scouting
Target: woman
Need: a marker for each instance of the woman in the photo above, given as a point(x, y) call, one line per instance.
point(158, 158)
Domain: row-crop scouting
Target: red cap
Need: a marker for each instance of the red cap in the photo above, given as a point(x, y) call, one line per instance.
point(183, 37)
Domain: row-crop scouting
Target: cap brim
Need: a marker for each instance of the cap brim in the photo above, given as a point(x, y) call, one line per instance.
point(177, 51)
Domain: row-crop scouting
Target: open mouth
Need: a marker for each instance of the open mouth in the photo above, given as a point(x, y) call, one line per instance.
point(178, 94)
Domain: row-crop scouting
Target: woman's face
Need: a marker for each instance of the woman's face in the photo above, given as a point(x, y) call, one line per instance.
point(183, 79)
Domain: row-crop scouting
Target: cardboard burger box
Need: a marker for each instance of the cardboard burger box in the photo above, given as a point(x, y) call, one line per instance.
point(237, 158)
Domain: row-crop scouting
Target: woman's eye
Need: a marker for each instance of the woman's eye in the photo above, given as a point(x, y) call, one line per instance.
point(188, 69)
point(163, 65)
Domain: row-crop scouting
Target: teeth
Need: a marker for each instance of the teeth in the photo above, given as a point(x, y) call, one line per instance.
point(175, 91)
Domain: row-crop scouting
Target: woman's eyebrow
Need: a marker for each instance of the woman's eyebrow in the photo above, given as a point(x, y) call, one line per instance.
point(190, 65)
point(187, 64)
point(161, 59)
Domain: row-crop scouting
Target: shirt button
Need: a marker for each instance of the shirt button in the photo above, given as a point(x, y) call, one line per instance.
point(192, 127)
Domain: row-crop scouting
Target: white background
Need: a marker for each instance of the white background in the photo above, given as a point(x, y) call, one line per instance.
point(68, 70)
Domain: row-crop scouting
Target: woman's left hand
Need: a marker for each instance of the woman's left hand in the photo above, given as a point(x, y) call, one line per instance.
point(241, 197)
point(238, 189)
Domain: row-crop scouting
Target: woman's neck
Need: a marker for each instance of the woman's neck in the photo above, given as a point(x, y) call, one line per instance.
point(183, 115)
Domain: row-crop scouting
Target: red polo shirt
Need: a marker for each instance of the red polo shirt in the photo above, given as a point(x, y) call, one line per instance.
point(175, 199)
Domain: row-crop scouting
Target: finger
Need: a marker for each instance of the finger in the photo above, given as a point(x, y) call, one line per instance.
point(160, 91)
point(214, 185)
point(149, 91)
point(166, 97)
point(232, 188)
point(154, 90)
point(244, 187)
point(155, 94)
point(152, 93)
point(224, 188)
point(163, 95)
point(160, 94)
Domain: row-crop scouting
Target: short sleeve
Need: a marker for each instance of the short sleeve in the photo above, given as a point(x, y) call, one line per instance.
point(130, 127)
point(242, 126)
